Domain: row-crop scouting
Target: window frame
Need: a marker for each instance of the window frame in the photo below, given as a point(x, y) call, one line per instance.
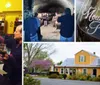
point(83, 71)
point(82, 60)
point(62, 71)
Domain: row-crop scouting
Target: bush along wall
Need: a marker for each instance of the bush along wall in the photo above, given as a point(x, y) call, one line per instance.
point(56, 75)
point(83, 77)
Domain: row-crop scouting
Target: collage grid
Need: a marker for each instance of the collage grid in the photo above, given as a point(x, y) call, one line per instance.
point(49, 42)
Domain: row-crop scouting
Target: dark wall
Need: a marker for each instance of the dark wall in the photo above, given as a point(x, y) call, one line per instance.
point(28, 8)
point(28, 4)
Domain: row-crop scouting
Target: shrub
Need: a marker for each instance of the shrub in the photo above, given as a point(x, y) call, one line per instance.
point(53, 73)
point(79, 77)
point(64, 76)
point(53, 76)
point(69, 77)
point(90, 79)
point(74, 77)
point(28, 80)
point(96, 79)
point(83, 77)
point(61, 76)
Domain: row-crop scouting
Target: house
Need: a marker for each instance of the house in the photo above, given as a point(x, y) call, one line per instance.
point(84, 62)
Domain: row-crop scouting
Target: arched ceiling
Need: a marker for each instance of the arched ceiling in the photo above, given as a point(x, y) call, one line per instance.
point(52, 5)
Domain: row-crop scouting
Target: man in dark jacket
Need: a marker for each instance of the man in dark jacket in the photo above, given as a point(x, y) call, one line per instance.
point(13, 62)
point(38, 25)
point(4, 81)
point(30, 28)
point(9, 67)
point(67, 26)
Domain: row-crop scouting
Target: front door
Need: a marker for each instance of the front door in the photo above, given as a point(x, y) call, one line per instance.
point(95, 72)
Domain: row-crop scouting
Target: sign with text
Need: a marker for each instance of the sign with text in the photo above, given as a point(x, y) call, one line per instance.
point(93, 16)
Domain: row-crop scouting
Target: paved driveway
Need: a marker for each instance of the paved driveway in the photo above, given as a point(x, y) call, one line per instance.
point(46, 81)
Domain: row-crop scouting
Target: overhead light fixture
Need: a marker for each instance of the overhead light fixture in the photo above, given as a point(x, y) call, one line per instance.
point(8, 4)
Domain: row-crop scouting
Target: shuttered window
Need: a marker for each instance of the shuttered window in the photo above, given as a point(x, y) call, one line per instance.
point(82, 58)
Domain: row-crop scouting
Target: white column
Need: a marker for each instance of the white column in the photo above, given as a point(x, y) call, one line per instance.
point(52, 68)
point(60, 70)
point(64, 70)
point(68, 71)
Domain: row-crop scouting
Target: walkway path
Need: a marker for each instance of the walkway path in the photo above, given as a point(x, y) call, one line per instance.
point(50, 33)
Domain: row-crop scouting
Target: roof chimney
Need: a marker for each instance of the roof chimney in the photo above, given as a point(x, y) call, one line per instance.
point(94, 53)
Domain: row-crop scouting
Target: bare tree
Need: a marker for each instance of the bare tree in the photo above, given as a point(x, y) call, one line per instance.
point(32, 50)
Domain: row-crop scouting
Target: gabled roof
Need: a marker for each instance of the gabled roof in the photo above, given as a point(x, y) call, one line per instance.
point(70, 62)
point(91, 54)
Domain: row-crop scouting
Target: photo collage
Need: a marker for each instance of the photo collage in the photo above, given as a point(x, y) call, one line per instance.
point(49, 42)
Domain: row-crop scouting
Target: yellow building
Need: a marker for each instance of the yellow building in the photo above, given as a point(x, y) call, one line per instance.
point(10, 15)
point(84, 63)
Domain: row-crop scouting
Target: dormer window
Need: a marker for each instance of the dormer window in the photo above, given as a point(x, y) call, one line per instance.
point(82, 58)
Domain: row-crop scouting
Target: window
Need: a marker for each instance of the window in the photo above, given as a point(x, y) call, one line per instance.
point(66, 71)
point(98, 62)
point(84, 71)
point(94, 72)
point(82, 58)
point(71, 71)
point(74, 71)
point(62, 70)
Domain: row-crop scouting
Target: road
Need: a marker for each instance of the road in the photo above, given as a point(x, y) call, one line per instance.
point(46, 81)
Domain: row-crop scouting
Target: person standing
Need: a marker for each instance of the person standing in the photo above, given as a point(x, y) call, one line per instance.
point(13, 62)
point(38, 25)
point(30, 29)
point(67, 26)
point(45, 19)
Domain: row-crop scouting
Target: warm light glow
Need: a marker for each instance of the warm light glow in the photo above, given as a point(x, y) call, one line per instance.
point(8, 4)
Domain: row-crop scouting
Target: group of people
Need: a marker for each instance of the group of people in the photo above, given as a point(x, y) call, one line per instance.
point(64, 22)
point(13, 61)
point(45, 19)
